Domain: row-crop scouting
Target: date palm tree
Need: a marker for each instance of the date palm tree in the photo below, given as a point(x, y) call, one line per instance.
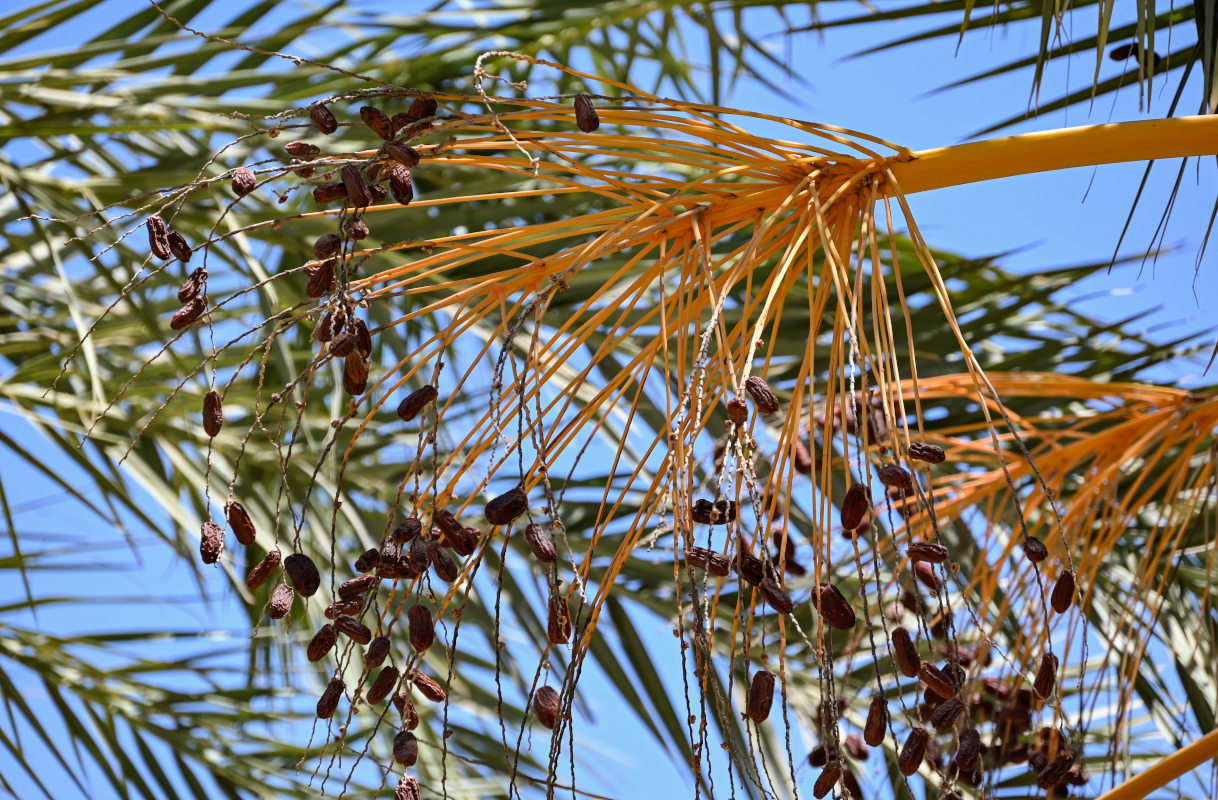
point(588, 301)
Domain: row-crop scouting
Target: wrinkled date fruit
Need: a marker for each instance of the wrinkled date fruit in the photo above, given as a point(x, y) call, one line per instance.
point(368, 560)
point(738, 411)
point(446, 569)
point(912, 751)
point(212, 543)
point(586, 117)
point(930, 552)
point(906, 653)
point(378, 121)
point(281, 601)
point(541, 544)
point(401, 184)
point(546, 704)
point(827, 779)
point(428, 688)
point(353, 629)
point(937, 680)
point(158, 240)
point(895, 476)
point(761, 695)
point(213, 413)
point(328, 703)
point(302, 149)
point(506, 508)
point(1046, 676)
point(930, 453)
point(179, 246)
point(322, 119)
point(187, 314)
point(416, 401)
point(357, 188)
point(834, 607)
point(384, 684)
point(405, 748)
point(558, 624)
point(377, 652)
point(239, 520)
point(855, 506)
point(779, 600)
point(244, 181)
point(322, 641)
point(263, 570)
point(1035, 550)
point(763, 397)
point(1063, 592)
point(422, 628)
point(946, 714)
point(404, 155)
point(329, 192)
point(195, 286)
point(877, 722)
point(356, 587)
point(712, 562)
point(327, 245)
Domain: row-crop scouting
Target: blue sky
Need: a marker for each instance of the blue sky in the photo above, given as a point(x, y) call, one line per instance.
point(1045, 219)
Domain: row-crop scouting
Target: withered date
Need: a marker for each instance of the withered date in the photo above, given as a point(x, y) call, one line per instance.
point(213, 413)
point(446, 569)
point(353, 629)
point(930, 552)
point(764, 398)
point(1035, 550)
point(586, 117)
point(855, 506)
point(558, 623)
point(378, 651)
point(195, 285)
point(422, 108)
point(368, 560)
point(357, 188)
point(212, 543)
point(239, 520)
point(827, 779)
point(263, 570)
point(302, 149)
point(383, 685)
point(302, 573)
point(507, 507)
point(906, 653)
point(428, 688)
point(712, 562)
point(912, 751)
point(405, 748)
point(834, 607)
point(407, 789)
point(322, 642)
point(401, 184)
point(342, 345)
point(328, 703)
point(281, 601)
point(969, 749)
point(322, 119)
point(895, 476)
point(856, 747)
point(877, 721)
point(1063, 592)
point(541, 545)
point(356, 229)
point(327, 245)
point(344, 608)
point(1046, 675)
point(937, 680)
point(930, 453)
point(244, 181)
point(778, 599)
point(410, 528)
point(946, 714)
point(363, 339)
point(422, 628)
point(158, 240)
point(187, 314)
point(404, 155)
point(416, 401)
point(357, 587)
point(355, 374)
point(179, 246)
point(546, 704)
point(329, 192)
point(321, 279)
point(761, 695)
point(378, 121)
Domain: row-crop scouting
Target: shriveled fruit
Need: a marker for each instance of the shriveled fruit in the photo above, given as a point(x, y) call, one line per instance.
point(540, 543)
point(213, 413)
point(1056, 771)
point(929, 552)
point(179, 246)
point(355, 374)
point(322, 119)
point(244, 181)
point(930, 453)
point(401, 184)
point(712, 562)
point(946, 714)
point(750, 567)
point(558, 623)
point(895, 476)
point(327, 245)
point(937, 680)
point(404, 155)
point(356, 228)
point(187, 314)
point(1063, 592)
point(239, 520)
point(507, 507)
point(877, 721)
point(834, 607)
point(422, 628)
point(303, 574)
point(763, 397)
point(262, 571)
point(1034, 549)
point(357, 188)
point(761, 695)
point(856, 747)
point(546, 704)
point(194, 286)
point(405, 706)
point(446, 569)
point(321, 643)
point(378, 121)
point(428, 688)
point(969, 748)
point(302, 149)
point(925, 573)
point(368, 560)
point(905, 652)
point(363, 337)
point(328, 192)
point(377, 652)
point(407, 788)
point(1046, 675)
point(463, 541)
point(356, 587)
point(801, 459)
point(713, 513)
point(819, 756)
point(281, 601)
point(828, 778)
point(353, 629)
point(737, 410)
point(855, 506)
point(342, 345)
point(211, 543)
point(383, 685)
point(586, 118)
point(410, 528)
point(912, 751)
point(158, 240)
point(778, 599)
point(321, 279)
point(405, 748)
point(416, 401)
point(328, 703)
point(346, 608)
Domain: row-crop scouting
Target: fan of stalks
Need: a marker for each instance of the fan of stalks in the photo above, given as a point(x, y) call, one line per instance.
point(707, 365)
